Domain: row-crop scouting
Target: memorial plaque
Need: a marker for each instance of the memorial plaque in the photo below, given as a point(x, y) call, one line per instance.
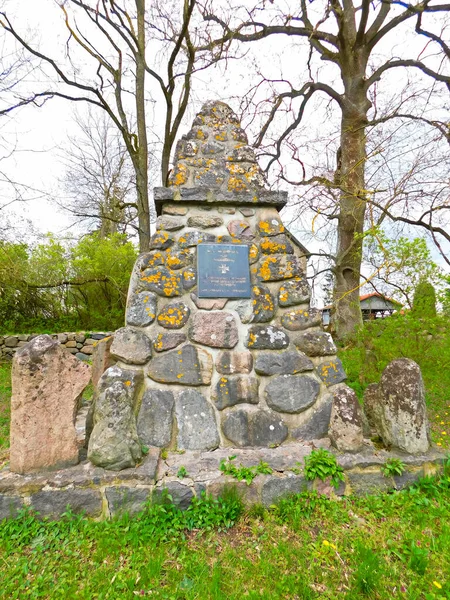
point(223, 271)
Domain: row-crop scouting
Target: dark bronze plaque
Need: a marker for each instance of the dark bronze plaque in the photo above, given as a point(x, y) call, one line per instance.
point(223, 271)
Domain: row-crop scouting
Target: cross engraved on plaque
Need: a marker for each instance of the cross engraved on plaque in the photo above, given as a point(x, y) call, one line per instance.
point(223, 271)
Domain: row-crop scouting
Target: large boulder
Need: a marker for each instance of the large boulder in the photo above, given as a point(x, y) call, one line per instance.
point(346, 422)
point(114, 442)
point(47, 383)
point(400, 414)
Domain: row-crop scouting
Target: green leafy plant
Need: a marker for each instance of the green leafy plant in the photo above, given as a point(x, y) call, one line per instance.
point(321, 464)
point(393, 466)
point(242, 473)
point(297, 468)
point(367, 575)
point(182, 473)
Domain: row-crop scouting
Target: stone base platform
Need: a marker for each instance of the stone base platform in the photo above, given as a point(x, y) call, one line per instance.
point(101, 494)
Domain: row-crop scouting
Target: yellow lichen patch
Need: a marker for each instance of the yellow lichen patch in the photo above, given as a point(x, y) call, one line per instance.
point(128, 383)
point(170, 285)
point(272, 247)
point(327, 367)
point(253, 252)
point(265, 272)
point(236, 185)
point(155, 278)
point(158, 342)
point(157, 258)
point(189, 275)
point(271, 228)
point(283, 294)
point(201, 134)
point(252, 173)
point(173, 317)
point(181, 175)
point(235, 169)
point(251, 339)
point(159, 239)
point(221, 136)
point(173, 261)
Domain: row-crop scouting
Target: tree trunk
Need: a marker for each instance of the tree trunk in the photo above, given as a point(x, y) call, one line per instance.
point(346, 314)
point(141, 159)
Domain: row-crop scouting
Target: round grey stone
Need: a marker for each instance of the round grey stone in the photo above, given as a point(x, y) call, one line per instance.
point(315, 343)
point(204, 222)
point(197, 429)
point(292, 393)
point(294, 292)
point(300, 319)
point(331, 371)
point(282, 363)
point(131, 346)
point(174, 316)
point(141, 309)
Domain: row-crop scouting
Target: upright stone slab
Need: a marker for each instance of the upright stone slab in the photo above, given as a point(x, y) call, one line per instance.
point(47, 383)
point(401, 415)
point(114, 442)
point(346, 423)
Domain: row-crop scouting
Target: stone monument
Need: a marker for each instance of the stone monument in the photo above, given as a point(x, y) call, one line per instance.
point(221, 347)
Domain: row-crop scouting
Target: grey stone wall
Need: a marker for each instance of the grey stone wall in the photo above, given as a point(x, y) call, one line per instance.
point(99, 493)
point(76, 343)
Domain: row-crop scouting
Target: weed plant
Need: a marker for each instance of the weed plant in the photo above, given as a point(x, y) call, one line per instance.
point(321, 464)
point(393, 466)
point(242, 473)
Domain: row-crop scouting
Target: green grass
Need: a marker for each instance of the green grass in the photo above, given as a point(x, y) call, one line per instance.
point(380, 547)
point(5, 413)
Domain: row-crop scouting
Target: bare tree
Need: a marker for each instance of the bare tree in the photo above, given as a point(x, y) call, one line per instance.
point(116, 38)
point(349, 37)
point(99, 179)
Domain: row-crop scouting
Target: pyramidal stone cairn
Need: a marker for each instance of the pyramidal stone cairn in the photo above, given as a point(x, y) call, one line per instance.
point(221, 347)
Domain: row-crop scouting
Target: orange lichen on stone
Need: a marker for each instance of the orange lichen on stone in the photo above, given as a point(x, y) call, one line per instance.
point(157, 258)
point(253, 252)
point(251, 339)
point(264, 270)
point(189, 275)
point(236, 185)
point(273, 247)
point(252, 173)
point(221, 136)
point(181, 175)
point(160, 238)
point(170, 285)
point(158, 341)
point(155, 278)
point(331, 366)
point(235, 169)
point(283, 294)
point(173, 261)
point(271, 228)
point(173, 317)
